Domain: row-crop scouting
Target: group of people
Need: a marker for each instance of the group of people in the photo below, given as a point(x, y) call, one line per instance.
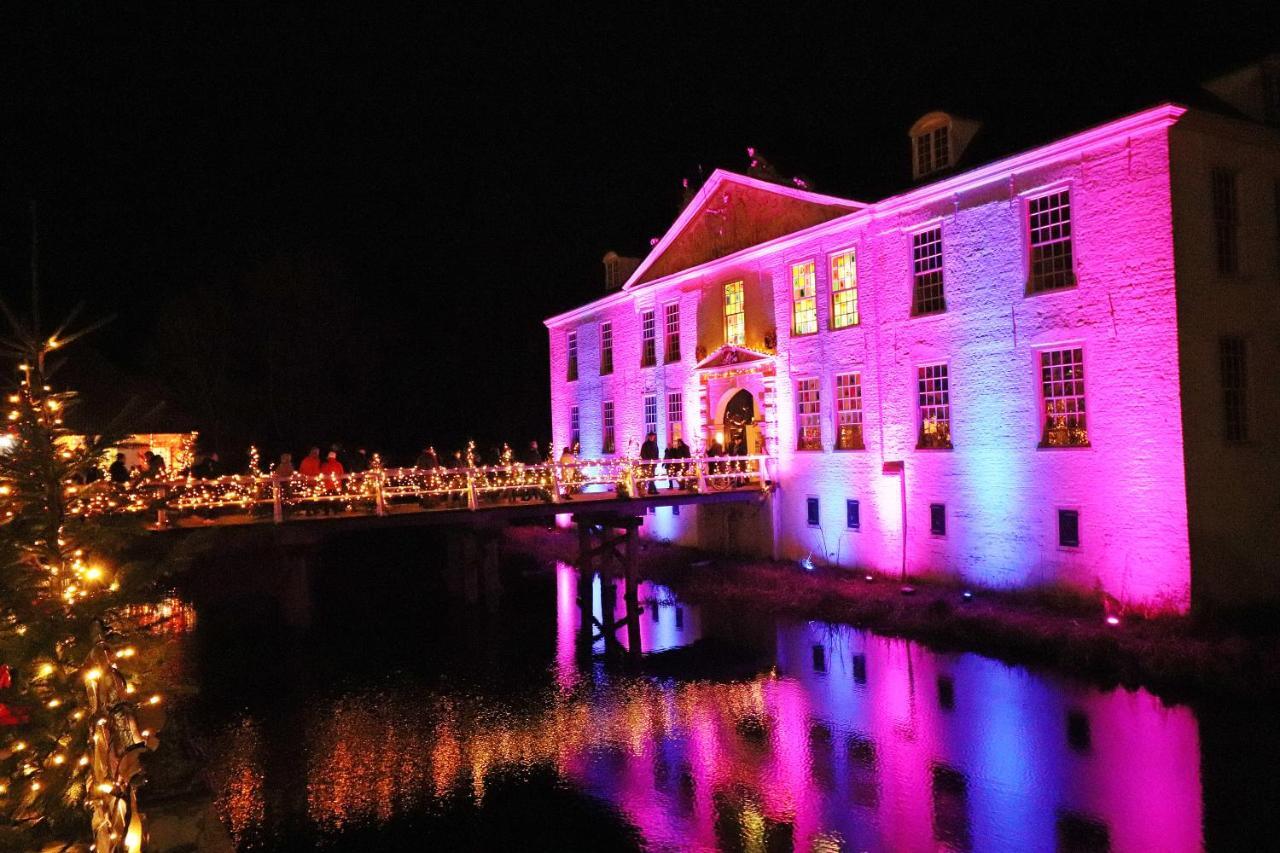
point(150, 465)
point(671, 463)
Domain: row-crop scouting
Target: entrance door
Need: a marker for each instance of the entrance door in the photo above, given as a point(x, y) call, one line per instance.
point(739, 424)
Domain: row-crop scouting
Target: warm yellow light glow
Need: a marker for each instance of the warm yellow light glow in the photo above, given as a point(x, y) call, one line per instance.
point(154, 700)
point(93, 674)
point(53, 703)
point(19, 746)
point(84, 761)
point(54, 343)
point(130, 689)
point(45, 670)
point(106, 788)
point(126, 652)
point(59, 759)
point(94, 573)
point(35, 785)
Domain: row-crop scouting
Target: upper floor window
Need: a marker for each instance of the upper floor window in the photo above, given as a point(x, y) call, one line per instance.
point(1226, 220)
point(1062, 393)
point(648, 340)
point(1232, 362)
point(735, 331)
point(650, 415)
point(804, 301)
point(1049, 223)
point(849, 411)
point(808, 415)
point(933, 395)
point(606, 431)
point(933, 149)
point(672, 351)
point(844, 290)
point(926, 269)
point(571, 372)
point(675, 417)
point(606, 349)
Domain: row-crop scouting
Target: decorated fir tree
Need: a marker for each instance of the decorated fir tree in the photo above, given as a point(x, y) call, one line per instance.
point(71, 644)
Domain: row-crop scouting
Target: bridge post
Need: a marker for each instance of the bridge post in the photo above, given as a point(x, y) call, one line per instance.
point(555, 483)
point(702, 476)
point(472, 502)
point(162, 513)
point(379, 501)
point(585, 574)
point(632, 594)
point(277, 501)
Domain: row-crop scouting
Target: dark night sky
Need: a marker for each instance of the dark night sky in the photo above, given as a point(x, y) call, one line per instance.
point(395, 199)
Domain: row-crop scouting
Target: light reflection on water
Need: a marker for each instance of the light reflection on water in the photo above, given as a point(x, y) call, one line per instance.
point(852, 741)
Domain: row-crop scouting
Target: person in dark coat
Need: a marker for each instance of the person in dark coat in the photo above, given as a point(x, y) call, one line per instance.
point(532, 456)
point(682, 452)
point(671, 466)
point(119, 472)
point(649, 450)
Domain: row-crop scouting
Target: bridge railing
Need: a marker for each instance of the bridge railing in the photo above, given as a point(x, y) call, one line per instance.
point(382, 490)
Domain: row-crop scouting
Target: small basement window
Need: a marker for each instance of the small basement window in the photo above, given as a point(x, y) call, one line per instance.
point(938, 519)
point(1069, 528)
point(811, 512)
point(852, 515)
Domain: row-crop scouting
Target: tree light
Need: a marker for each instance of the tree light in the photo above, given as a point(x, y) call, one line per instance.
point(93, 674)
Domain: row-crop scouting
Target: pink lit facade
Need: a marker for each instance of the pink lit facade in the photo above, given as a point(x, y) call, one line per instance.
point(1005, 401)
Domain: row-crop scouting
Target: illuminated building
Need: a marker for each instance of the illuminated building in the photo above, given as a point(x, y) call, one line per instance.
point(1047, 365)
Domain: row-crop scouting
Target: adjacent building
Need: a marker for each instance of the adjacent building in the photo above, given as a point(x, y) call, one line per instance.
point(1051, 367)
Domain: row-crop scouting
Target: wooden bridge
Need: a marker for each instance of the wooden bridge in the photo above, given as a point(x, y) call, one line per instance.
point(616, 485)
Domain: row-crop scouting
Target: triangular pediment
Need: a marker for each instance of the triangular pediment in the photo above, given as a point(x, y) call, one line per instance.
point(734, 212)
point(733, 356)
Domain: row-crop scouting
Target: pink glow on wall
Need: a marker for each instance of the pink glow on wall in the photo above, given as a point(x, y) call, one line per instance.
point(1001, 491)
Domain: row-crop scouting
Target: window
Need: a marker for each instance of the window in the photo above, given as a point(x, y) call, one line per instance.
point(672, 352)
point(606, 349)
point(575, 434)
point(804, 302)
point(648, 342)
point(650, 415)
point(852, 515)
point(1069, 528)
point(808, 415)
point(844, 290)
point(926, 265)
point(572, 372)
point(1049, 221)
point(607, 444)
point(675, 417)
point(734, 327)
point(811, 512)
point(849, 411)
point(1062, 393)
point(933, 150)
point(934, 400)
point(1232, 357)
point(1226, 222)
point(938, 519)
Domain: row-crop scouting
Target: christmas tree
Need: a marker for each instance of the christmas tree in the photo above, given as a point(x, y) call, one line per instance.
point(74, 712)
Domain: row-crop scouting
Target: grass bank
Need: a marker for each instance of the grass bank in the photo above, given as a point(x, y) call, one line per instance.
point(1178, 657)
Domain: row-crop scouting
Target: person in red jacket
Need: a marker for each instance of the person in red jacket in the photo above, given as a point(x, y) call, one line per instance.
point(310, 467)
point(332, 472)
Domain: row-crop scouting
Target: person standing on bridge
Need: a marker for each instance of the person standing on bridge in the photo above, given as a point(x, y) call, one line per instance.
point(310, 466)
point(649, 450)
point(333, 474)
point(119, 472)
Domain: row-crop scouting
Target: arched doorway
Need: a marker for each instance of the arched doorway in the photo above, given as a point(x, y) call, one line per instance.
point(741, 437)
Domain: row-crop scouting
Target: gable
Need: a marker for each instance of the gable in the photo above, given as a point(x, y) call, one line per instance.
point(731, 213)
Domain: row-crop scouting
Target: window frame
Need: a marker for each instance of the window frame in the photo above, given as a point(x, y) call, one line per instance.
point(1057, 517)
point(935, 530)
point(670, 353)
point(1242, 437)
point(730, 339)
point(675, 416)
point(650, 402)
point(926, 143)
point(1226, 253)
point(608, 428)
point(831, 289)
point(1027, 200)
point(571, 356)
point(812, 511)
point(606, 347)
point(575, 428)
point(941, 270)
point(816, 384)
point(852, 512)
point(861, 410)
point(648, 337)
point(1042, 414)
point(811, 310)
point(919, 406)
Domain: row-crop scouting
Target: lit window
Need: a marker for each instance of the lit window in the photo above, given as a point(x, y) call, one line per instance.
point(811, 514)
point(734, 327)
point(672, 352)
point(934, 401)
point(572, 372)
point(1069, 528)
point(844, 290)
point(938, 519)
point(1049, 219)
point(607, 431)
point(852, 515)
point(849, 411)
point(808, 415)
point(1062, 390)
point(1226, 221)
point(650, 415)
point(1232, 357)
point(648, 340)
point(926, 267)
point(804, 302)
point(933, 150)
point(675, 417)
point(606, 349)
point(575, 434)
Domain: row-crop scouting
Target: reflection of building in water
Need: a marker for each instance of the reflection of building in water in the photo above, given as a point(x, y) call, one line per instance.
point(856, 742)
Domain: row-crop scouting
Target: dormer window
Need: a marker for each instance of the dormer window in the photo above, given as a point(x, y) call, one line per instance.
point(933, 144)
